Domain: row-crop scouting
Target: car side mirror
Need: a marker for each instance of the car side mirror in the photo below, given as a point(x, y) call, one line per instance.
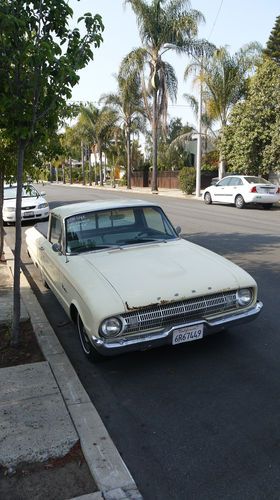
point(178, 230)
point(43, 193)
point(56, 247)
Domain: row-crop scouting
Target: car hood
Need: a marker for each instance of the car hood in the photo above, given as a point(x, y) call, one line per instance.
point(154, 273)
point(25, 202)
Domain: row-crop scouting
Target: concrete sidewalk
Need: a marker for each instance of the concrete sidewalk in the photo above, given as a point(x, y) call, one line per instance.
point(44, 409)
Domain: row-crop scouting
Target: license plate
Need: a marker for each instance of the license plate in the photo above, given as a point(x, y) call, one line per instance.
point(28, 214)
point(187, 334)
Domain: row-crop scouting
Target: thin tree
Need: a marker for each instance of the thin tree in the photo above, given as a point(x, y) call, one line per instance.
point(40, 60)
point(164, 25)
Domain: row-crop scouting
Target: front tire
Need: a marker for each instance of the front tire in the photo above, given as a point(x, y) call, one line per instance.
point(239, 201)
point(207, 198)
point(87, 347)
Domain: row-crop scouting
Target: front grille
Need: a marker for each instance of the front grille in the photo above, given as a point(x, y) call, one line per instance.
point(28, 208)
point(159, 316)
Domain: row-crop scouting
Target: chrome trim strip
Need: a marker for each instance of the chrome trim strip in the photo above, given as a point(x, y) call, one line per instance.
point(147, 340)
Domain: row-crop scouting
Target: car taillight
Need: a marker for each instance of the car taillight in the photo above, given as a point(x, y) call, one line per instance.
point(253, 189)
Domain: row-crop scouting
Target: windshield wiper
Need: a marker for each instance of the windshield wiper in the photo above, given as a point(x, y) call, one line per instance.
point(92, 248)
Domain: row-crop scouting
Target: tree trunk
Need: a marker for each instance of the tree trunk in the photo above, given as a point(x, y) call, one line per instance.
point(95, 169)
point(100, 167)
point(222, 167)
point(128, 153)
point(155, 143)
point(70, 171)
point(89, 169)
point(83, 163)
point(1, 212)
point(16, 306)
point(222, 161)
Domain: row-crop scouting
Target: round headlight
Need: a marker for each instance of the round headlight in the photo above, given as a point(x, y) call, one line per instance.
point(9, 209)
point(244, 296)
point(111, 327)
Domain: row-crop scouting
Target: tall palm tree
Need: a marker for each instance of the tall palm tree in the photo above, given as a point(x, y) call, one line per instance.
point(224, 80)
point(127, 104)
point(164, 25)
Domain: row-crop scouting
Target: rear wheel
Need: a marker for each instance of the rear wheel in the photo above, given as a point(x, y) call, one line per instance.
point(267, 206)
point(207, 198)
point(239, 201)
point(87, 347)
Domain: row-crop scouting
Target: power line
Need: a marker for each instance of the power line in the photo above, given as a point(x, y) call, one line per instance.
point(215, 20)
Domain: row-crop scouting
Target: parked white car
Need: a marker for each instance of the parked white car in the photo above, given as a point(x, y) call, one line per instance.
point(33, 204)
point(130, 282)
point(242, 189)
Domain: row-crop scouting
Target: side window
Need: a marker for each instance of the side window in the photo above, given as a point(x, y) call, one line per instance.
point(224, 182)
point(155, 221)
point(235, 181)
point(55, 230)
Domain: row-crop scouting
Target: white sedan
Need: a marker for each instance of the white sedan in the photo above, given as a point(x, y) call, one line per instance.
point(128, 281)
point(242, 189)
point(33, 205)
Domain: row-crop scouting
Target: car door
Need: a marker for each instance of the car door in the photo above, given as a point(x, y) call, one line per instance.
point(51, 261)
point(234, 188)
point(221, 191)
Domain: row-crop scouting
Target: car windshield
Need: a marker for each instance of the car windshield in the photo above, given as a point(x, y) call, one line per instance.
point(118, 227)
point(10, 192)
point(256, 180)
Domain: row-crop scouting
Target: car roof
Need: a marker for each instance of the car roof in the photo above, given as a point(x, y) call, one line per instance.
point(91, 206)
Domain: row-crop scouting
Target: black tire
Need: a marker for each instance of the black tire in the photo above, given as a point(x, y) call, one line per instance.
point(267, 206)
point(207, 198)
point(87, 347)
point(239, 201)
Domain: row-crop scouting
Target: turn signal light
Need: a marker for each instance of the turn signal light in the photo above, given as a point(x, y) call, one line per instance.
point(253, 189)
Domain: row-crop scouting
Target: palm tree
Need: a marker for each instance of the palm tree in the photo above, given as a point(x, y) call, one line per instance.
point(224, 81)
point(101, 122)
point(164, 25)
point(127, 104)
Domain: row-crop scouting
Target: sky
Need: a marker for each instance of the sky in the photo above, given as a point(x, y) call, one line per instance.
point(233, 23)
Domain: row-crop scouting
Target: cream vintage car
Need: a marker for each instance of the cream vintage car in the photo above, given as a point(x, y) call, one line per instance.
point(130, 282)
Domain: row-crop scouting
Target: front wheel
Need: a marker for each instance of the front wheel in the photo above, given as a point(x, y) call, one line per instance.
point(87, 347)
point(207, 198)
point(239, 201)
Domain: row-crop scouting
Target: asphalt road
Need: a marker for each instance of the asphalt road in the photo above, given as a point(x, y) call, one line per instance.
point(197, 421)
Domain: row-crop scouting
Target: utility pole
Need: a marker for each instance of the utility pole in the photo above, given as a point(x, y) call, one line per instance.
point(198, 144)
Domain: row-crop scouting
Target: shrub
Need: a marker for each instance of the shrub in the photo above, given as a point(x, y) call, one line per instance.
point(187, 178)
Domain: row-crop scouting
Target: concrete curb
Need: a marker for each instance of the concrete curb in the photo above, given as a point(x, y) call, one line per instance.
point(109, 471)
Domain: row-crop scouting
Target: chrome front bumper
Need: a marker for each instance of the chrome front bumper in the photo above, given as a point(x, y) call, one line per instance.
point(147, 340)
